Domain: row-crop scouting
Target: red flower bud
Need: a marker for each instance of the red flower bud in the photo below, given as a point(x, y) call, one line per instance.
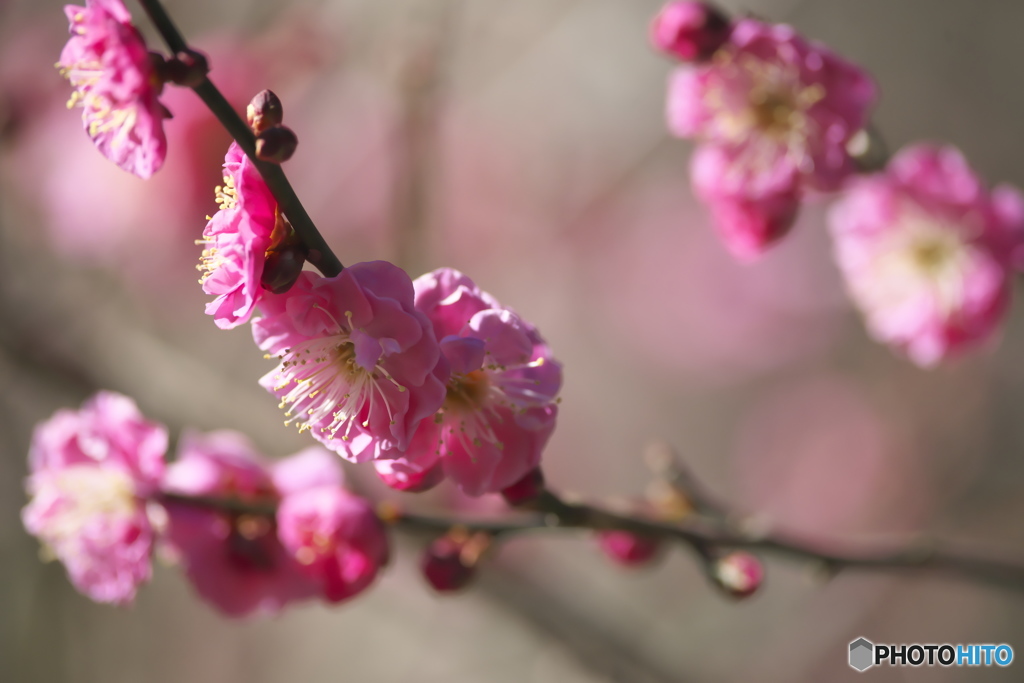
point(282, 268)
point(738, 573)
point(689, 30)
point(628, 549)
point(444, 566)
point(187, 68)
point(526, 490)
point(264, 110)
point(276, 144)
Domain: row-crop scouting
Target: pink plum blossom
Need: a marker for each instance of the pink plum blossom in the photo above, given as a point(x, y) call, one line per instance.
point(116, 85)
point(235, 559)
point(774, 113)
point(336, 537)
point(91, 472)
point(359, 364)
point(927, 252)
point(500, 407)
point(236, 240)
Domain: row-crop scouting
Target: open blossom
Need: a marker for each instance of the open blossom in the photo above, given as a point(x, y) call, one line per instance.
point(91, 471)
point(235, 560)
point(927, 251)
point(500, 407)
point(116, 85)
point(336, 537)
point(236, 240)
point(774, 114)
point(359, 364)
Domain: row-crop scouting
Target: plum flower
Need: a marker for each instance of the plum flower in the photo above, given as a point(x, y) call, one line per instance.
point(359, 364)
point(91, 472)
point(774, 113)
point(336, 537)
point(236, 240)
point(116, 84)
point(500, 406)
point(927, 252)
point(235, 560)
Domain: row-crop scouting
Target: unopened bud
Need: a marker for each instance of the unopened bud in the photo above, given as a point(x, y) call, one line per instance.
point(187, 68)
point(738, 573)
point(264, 110)
point(449, 563)
point(689, 30)
point(276, 144)
point(628, 549)
point(282, 268)
point(526, 490)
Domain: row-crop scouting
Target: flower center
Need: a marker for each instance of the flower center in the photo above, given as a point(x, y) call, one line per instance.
point(467, 393)
point(86, 493)
point(328, 388)
point(763, 107)
point(925, 254)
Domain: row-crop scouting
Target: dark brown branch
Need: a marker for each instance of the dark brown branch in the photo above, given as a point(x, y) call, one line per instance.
point(554, 514)
point(320, 254)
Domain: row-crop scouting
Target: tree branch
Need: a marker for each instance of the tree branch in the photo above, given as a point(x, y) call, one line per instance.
point(320, 254)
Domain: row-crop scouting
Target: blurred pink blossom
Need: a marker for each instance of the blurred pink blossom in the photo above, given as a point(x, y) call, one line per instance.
point(775, 113)
point(90, 473)
point(927, 252)
point(359, 364)
point(235, 559)
point(336, 537)
point(116, 84)
point(500, 408)
point(236, 240)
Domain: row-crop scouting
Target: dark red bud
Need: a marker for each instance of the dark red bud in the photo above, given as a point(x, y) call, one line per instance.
point(282, 268)
point(526, 490)
point(264, 110)
point(187, 68)
point(689, 30)
point(444, 566)
point(276, 144)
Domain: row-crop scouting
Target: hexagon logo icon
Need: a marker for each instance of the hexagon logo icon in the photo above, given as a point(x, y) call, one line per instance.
point(862, 653)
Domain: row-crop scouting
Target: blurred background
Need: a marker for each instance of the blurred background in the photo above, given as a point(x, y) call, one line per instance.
point(523, 143)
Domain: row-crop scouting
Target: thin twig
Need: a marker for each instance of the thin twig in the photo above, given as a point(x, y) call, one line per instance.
point(320, 254)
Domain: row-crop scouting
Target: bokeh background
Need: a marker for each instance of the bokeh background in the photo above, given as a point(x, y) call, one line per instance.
point(523, 143)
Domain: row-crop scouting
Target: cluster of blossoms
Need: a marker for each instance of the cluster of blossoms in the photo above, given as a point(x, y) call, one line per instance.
point(926, 250)
point(433, 379)
point(427, 379)
point(252, 536)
